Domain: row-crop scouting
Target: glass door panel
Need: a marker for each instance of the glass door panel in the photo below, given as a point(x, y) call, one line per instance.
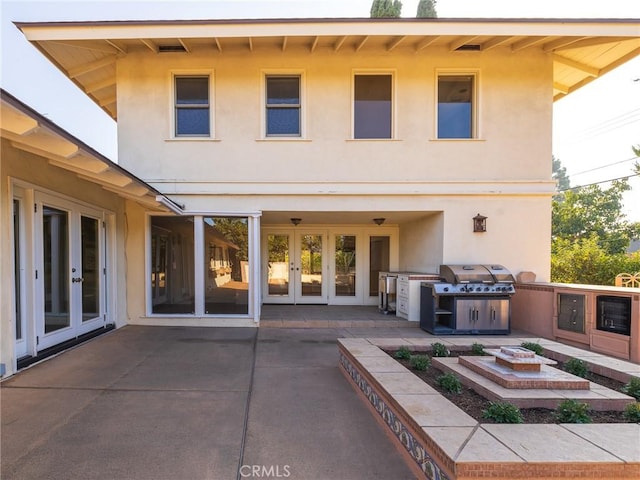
point(345, 266)
point(55, 233)
point(90, 257)
point(311, 261)
point(278, 265)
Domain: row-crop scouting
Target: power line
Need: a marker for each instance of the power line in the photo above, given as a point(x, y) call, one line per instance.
point(626, 177)
point(605, 166)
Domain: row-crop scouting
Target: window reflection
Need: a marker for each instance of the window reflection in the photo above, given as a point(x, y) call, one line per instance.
point(345, 257)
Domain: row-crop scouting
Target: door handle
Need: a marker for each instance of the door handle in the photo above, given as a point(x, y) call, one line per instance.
point(77, 280)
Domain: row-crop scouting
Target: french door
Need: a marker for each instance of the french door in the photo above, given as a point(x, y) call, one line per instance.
point(296, 267)
point(70, 270)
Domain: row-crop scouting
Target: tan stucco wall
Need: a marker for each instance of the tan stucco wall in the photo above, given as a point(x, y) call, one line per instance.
point(18, 165)
point(505, 174)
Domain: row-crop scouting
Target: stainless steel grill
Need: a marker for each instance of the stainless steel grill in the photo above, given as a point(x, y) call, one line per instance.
point(470, 299)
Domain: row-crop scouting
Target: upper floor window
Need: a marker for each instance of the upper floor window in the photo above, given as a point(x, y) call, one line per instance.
point(372, 106)
point(283, 105)
point(456, 106)
point(192, 106)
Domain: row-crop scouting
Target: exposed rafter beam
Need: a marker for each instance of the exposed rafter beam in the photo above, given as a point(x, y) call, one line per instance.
point(94, 46)
point(460, 41)
point(339, 42)
point(94, 87)
point(218, 44)
point(116, 46)
point(394, 43)
point(495, 42)
point(184, 45)
point(107, 101)
point(590, 42)
point(150, 44)
point(361, 43)
point(561, 87)
point(108, 177)
point(250, 44)
point(560, 43)
point(91, 67)
point(422, 44)
point(149, 202)
point(48, 153)
point(314, 45)
point(284, 43)
point(527, 42)
point(591, 71)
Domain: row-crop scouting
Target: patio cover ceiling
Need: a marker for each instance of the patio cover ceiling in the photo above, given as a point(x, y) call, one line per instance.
point(86, 52)
point(29, 131)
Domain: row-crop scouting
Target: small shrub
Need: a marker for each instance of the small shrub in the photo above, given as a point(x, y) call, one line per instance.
point(403, 353)
point(632, 388)
point(632, 412)
point(439, 350)
point(419, 362)
point(576, 367)
point(572, 411)
point(503, 412)
point(477, 349)
point(533, 346)
point(449, 383)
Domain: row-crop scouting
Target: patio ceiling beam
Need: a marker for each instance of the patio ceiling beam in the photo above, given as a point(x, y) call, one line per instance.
point(107, 101)
point(591, 71)
point(284, 43)
point(314, 44)
point(495, 42)
point(394, 43)
point(562, 88)
point(91, 66)
point(216, 40)
point(116, 46)
point(339, 42)
point(150, 44)
point(184, 45)
point(94, 87)
point(361, 43)
point(93, 46)
point(250, 40)
point(560, 43)
point(590, 41)
point(460, 41)
point(428, 40)
point(527, 42)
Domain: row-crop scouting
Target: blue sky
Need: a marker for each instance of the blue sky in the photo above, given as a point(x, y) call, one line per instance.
point(594, 128)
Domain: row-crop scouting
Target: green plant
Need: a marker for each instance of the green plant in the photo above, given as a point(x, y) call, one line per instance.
point(633, 388)
point(449, 383)
point(439, 350)
point(503, 412)
point(632, 412)
point(403, 353)
point(419, 362)
point(477, 349)
point(533, 346)
point(576, 367)
point(572, 411)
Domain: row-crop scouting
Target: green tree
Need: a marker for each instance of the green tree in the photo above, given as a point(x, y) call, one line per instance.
point(636, 152)
point(560, 175)
point(386, 9)
point(427, 9)
point(591, 211)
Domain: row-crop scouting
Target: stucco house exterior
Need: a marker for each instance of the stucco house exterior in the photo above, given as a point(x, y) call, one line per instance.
point(290, 161)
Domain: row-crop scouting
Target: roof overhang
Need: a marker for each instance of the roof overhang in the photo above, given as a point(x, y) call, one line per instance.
point(29, 131)
point(87, 52)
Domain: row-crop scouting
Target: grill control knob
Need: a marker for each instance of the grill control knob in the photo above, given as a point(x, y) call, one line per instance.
point(446, 289)
point(486, 289)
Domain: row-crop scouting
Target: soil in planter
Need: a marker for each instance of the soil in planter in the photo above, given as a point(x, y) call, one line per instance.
point(474, 404)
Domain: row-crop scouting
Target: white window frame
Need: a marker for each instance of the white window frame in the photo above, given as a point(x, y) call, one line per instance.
point(173, 105)
point(263, 104)
point(394, 102)
point(475, 101)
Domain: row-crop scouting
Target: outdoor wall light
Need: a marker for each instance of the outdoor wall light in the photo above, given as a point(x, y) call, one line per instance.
point(379, 221)
point(296, 221)
point(479, 223)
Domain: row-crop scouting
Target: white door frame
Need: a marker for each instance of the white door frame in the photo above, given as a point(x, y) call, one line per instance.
point(73, 265)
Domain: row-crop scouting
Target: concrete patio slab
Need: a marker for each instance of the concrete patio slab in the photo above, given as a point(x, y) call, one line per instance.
point(403, 383)
point(434, 410)
point(484, 447)
point(623, 441)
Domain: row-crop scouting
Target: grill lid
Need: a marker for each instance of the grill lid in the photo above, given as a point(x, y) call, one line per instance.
point(475, 274)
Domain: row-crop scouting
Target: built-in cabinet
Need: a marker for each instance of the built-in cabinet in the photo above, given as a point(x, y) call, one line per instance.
point(408, 294)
